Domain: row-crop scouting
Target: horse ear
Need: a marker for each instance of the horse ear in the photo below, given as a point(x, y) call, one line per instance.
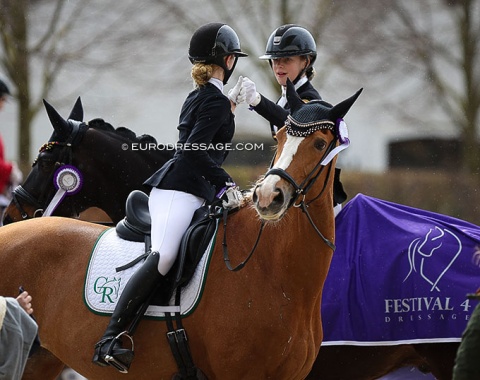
point(341, 109)
point(77, 111)
point(61, 126)
point(292, 97)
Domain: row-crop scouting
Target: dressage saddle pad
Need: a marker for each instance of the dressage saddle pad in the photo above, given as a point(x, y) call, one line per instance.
point(103, 284)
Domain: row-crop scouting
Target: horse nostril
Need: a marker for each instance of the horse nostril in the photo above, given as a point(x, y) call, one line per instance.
point(255, 196)
point(279, 197)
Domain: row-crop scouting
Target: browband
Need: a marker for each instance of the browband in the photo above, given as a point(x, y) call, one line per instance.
point(299, 129)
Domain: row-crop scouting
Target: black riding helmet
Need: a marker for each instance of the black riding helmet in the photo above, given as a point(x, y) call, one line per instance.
point(211, 43)
point(291, 40)
point(3, 89)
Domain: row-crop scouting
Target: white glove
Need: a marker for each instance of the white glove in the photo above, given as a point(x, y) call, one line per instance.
point(252, 96)
point(16, 176)
point(237, 93)
point(234, 198)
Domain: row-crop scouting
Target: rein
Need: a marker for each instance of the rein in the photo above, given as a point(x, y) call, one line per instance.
point(225, 248)
point(65, 158)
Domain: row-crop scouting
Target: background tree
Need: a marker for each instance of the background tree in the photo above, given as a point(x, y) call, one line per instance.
point(254, 21)
point(418, 60)
point(424, 58)
point(40, 39)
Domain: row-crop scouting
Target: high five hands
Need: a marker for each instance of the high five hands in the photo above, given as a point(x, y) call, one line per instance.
point(244, 91)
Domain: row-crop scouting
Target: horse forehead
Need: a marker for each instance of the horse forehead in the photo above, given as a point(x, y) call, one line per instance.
point(290, 148)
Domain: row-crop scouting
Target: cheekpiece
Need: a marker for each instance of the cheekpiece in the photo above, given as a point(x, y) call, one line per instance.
point(299, 129)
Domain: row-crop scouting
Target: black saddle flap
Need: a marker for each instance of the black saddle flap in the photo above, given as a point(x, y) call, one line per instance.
point(194, 243)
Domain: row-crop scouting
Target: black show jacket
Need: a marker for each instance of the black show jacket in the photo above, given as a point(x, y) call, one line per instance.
point(206, 128)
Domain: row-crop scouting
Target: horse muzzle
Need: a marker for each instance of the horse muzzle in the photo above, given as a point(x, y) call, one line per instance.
point(271, 198)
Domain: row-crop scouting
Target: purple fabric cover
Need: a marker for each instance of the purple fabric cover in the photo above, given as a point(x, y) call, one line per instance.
point(399, 275)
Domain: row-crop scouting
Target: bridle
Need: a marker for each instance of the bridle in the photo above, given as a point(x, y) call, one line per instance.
point(294, 127)
point(46, 201)
point(300, 190)
point(303, 188)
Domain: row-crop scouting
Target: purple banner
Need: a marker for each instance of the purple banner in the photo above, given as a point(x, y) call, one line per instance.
point(399, 275)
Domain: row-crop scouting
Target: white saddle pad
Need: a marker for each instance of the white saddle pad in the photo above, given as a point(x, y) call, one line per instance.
point(103, 285)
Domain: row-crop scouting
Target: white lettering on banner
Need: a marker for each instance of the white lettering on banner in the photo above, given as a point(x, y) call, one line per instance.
point(405, 305)
point(425, 318)
point(423, 253)
point(422, 309)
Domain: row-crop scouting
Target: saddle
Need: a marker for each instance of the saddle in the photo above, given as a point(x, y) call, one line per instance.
point(136, 226)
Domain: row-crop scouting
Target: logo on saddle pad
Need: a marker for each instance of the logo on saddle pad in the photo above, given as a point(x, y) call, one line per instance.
point(439, 245)
point(108, 289)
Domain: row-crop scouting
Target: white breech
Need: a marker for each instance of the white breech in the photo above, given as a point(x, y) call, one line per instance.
point(171, 212)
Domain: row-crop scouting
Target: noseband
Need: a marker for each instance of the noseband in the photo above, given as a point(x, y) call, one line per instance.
point(65, 158)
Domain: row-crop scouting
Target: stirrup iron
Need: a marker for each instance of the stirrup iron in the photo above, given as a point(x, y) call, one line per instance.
point(121, 367)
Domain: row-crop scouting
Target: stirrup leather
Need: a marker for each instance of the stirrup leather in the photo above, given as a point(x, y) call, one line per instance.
point(114, 362)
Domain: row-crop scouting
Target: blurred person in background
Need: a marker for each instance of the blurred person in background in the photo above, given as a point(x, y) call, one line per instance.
point(10, 175)
point(18, 333)
point(467, 361)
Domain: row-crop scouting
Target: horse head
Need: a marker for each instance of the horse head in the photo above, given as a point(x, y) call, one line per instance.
point(32, 197)
point(85, 165)
point(308, 143)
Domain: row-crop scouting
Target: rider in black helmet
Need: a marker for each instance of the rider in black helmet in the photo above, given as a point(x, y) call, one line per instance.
point(4, 92)
point(290, 41)
point(291, 51)
point(193, 177)
point(4, 88)
point(211, 43)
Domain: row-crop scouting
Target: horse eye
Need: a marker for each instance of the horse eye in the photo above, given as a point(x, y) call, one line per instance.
point(320, 144)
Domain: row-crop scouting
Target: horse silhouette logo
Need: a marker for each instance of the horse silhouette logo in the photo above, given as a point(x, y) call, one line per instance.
point(424, 252)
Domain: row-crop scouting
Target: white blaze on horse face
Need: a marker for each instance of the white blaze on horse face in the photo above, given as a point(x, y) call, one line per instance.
point(290, 148)
point(268, 190)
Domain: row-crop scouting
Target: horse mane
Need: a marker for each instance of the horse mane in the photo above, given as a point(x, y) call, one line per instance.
point(125, 132)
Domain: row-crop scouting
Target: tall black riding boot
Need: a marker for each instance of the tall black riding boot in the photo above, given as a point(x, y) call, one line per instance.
point(139, 288)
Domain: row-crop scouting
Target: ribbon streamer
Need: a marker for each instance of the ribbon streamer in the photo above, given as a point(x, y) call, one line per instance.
point(68, 181)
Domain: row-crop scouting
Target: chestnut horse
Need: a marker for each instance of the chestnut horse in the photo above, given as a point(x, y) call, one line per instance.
point(256, 323)
point(104, 163)
point(100, 173)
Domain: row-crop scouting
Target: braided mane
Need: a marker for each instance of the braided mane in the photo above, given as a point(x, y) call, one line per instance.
point(102, 125)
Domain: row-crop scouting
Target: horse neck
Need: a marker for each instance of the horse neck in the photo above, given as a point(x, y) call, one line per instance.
point(307, 255)
point(289, 252)
point(114, 172)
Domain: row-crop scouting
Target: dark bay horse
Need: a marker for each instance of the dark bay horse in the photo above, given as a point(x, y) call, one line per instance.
point(261, 322)
point(105, 163)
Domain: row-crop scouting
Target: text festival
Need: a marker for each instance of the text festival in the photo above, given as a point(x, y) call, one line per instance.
point(425, 308)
